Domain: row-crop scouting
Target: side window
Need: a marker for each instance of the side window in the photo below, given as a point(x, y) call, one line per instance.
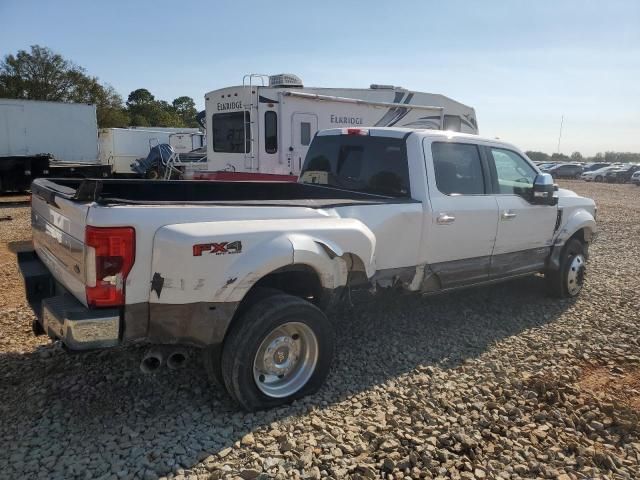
point(271, 132)
point(305, 133)
point(458, 168)
point(515, 175)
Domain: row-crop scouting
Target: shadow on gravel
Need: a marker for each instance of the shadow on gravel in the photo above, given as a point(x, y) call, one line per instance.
point(98, 408)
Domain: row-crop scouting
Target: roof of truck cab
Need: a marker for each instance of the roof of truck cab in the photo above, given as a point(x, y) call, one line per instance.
point(399, 132)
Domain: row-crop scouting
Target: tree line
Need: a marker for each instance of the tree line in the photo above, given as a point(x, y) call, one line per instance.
point(608, 157)
point(41, 74)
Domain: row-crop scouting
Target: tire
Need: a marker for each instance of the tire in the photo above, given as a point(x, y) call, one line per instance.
point(598, 178)
point(212, 356)
point(568, 281)
point(152, 174)
point(284, 325)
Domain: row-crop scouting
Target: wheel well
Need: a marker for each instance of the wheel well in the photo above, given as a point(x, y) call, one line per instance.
point(579, 235)
point(297, 280)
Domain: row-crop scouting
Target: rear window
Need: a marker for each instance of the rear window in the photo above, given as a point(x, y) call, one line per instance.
point(366, 164)
point(229, 132)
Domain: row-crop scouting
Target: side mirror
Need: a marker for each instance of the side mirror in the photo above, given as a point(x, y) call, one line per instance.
point(543, 190)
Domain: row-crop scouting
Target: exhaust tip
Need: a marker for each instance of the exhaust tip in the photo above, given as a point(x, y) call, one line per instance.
point(151, 362)
point(177, 360)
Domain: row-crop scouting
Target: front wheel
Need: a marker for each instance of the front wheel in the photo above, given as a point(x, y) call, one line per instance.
point(567, 282)
point(599, 178)
point(280, 349)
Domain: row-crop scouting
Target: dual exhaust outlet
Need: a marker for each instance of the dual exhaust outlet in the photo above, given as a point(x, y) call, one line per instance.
point(174, 358)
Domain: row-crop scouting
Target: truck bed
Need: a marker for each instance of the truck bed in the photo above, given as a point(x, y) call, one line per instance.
point(160, 192)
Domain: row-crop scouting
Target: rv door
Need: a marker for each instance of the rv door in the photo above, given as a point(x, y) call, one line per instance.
point(304, 127)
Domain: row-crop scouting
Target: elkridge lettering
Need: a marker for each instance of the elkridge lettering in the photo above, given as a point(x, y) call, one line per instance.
point(222, 106)
point(347, 120)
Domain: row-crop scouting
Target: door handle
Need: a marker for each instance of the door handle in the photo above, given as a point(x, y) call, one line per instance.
point(508, 215)
point(445, 219)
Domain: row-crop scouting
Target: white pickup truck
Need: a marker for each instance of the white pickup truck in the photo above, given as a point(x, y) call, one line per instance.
point(246, 270)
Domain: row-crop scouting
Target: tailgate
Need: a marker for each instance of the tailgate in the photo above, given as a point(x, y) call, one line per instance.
point(58, 224)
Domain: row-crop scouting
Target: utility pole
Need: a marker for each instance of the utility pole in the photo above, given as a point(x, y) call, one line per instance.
point(560, 136)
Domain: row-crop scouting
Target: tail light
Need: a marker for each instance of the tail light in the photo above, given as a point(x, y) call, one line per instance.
point(357, 131)
point(110, 253)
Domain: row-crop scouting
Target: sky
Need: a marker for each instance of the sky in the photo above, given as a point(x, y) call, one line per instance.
point(522, 65)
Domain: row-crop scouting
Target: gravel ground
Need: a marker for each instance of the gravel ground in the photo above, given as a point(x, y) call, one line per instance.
point(498, 382)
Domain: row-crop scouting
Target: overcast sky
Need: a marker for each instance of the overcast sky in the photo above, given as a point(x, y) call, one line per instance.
point(520, 64)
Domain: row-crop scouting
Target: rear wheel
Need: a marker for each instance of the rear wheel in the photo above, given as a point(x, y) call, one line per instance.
point(567, 282)
point(280, 349)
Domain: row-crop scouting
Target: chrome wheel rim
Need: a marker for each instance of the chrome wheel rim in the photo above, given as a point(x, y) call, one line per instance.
point(575, 275)
point(285, 360)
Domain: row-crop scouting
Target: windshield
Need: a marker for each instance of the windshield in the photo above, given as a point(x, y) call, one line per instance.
point(361, 163)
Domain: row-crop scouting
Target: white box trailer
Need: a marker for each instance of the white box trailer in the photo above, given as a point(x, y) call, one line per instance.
point(39, 138)
point(65, 131)
point(119, 147)
point(266, 125)
point(185, 142)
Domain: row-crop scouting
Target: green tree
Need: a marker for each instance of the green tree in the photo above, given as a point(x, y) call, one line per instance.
point(537, 156)
point(185, 107)
point(145, 110)
point(576, 157)
point(41, 74)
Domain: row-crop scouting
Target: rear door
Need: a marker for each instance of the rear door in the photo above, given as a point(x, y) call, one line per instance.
point(304, 127)
point(525, 230)
point(461, 229)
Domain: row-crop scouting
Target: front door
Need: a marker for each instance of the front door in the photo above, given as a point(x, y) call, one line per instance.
point(304, 127)
point(461, 231)
point(525, 230)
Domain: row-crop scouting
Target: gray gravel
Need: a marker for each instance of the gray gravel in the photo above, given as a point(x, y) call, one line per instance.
point(500, 382)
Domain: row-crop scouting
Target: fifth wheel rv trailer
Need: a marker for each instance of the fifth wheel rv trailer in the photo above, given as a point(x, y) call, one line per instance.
point(265, 126)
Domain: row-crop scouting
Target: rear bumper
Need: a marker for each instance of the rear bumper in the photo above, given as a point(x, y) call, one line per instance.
point(60, 315)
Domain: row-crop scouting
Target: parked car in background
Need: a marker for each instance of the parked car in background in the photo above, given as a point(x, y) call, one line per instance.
point(597, 175)
point(635, 178)
point(546, 166)
point(566, 170)
point(590, 167)
point(621, 174)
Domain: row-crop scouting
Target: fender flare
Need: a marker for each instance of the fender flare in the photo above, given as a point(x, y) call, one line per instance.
point(580, 220)
point(326, 258)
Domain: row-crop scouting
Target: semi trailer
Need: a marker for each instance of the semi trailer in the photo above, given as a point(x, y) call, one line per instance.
point(39, 138)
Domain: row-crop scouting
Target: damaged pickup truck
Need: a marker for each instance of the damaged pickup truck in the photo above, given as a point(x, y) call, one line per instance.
point(246, 270)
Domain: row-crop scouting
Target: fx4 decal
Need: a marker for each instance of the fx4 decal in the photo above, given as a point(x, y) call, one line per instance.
point(221, 248)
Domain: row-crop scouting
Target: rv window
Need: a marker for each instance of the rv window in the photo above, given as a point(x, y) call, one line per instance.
point(270, 132)
point(305, 133)
point(229, 132)
point(375, 165)
point(453, 123)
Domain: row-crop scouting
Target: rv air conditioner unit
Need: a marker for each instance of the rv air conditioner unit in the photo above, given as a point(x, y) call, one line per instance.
point(376, 86)
point(285, 80)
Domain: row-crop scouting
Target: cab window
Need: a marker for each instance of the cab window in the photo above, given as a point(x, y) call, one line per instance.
point(514, 175)
point(367, 164)
point(458, 168)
